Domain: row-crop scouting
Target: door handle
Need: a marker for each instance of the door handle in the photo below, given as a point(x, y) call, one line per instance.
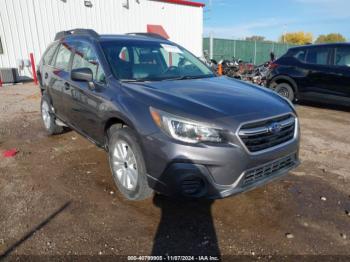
point(46, 75)
point(66, 86)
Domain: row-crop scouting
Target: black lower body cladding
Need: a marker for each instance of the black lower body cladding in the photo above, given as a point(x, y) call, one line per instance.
point(210, 171)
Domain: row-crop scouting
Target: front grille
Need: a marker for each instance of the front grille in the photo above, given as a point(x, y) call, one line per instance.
point(254, 175)
point(264, 134)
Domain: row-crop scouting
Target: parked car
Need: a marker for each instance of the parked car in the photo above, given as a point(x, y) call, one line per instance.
point(314, 72)
point(167, 122)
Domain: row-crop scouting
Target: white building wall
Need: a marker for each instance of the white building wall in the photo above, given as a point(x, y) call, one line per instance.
point(30, 25)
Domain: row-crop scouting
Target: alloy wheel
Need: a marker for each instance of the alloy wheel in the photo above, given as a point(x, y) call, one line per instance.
point(124, 165)
point(283, 92)
point(45, 112)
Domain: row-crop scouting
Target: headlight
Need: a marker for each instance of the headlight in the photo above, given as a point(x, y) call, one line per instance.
point(186, 130)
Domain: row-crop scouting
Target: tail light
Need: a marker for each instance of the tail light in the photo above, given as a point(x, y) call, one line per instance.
point(273, 66)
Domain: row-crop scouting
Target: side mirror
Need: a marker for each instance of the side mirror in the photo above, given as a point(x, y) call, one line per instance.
point(82, 74)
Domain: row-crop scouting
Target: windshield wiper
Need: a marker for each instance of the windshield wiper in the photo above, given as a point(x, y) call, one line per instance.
point(190, 77)
point(132, 80)
point(166, 79)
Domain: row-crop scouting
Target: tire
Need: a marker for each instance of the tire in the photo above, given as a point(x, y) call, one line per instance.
point(48, 116)
point(127, 164)
point(285, 90)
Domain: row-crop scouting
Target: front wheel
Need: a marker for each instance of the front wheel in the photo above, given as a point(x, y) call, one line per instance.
point(127, 164)
point(285, 90)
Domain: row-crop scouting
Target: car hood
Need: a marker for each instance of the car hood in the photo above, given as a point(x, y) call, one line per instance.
point(214, 97)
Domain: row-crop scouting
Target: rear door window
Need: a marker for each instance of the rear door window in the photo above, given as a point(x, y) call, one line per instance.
point(318, 56)
point(63, 57)
point(342, 56)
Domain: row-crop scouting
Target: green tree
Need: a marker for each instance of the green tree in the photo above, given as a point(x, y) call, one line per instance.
point(330, 38)
point(297, 38)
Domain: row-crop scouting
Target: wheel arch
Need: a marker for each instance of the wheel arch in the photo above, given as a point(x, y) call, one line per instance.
point(115, 120)
point(284, 79)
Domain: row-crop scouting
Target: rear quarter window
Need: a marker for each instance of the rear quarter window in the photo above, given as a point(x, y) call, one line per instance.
point(300, 55)
point(49, 54)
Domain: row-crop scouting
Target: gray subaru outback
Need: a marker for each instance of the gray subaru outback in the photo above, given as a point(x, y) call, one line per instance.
point(168, 123)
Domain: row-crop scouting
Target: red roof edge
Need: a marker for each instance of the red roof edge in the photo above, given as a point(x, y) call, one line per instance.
point(184, 2)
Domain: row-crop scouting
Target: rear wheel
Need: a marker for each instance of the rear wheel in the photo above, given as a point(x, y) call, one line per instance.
point(285, 90)
point(48, 117)
point(127, 164)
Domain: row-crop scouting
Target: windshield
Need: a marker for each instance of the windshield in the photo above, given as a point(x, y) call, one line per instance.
point(151, 61)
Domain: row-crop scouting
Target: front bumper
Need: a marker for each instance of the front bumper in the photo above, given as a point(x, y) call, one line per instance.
point(212, 171)
point(260, 175)
point(193, 180)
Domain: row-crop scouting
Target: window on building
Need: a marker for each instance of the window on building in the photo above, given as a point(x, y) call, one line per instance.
point(342, 56)
point(63, 57)
point(317, 56)
point(85, 56)
point(1, 50)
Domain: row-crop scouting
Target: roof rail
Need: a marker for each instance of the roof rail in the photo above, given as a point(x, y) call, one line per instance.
point(154, 35)
point(77, 31)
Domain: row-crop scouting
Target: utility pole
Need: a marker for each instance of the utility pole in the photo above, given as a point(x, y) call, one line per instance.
point(211, 33)
point(284, 33)
point(254, 52)
point(234, 46)
point(211, 44)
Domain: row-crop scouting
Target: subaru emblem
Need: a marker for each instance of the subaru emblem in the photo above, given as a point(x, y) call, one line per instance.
point(275, 128)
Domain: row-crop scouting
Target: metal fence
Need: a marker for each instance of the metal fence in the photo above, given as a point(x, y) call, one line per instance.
point(250, 51)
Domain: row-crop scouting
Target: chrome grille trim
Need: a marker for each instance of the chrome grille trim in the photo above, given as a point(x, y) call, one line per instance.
point(263, 130)
point(259, 129)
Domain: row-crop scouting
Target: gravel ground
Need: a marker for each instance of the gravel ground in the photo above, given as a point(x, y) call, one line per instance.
point(57, 197)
